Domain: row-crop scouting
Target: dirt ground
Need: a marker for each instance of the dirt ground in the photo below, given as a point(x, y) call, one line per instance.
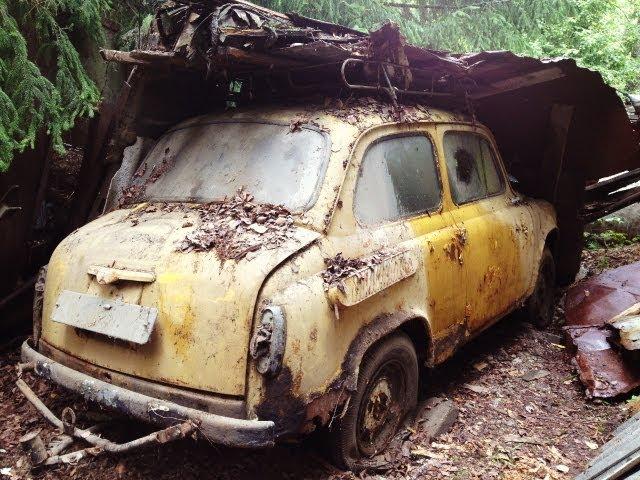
point(522, 415)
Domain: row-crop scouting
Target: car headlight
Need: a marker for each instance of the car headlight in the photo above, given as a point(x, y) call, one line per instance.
point(268, 341)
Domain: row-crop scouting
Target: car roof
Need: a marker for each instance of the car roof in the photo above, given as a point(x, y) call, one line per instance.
point(359, 112)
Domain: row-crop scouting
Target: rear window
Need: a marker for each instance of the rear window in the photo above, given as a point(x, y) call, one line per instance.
point(398, 179)
point(209, 161)
point(472, 167)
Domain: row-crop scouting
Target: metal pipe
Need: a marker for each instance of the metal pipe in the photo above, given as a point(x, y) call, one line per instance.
point(162, 436)
point(378, 88)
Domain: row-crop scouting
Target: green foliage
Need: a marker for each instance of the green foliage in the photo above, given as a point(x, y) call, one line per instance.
point(29, 99)
point(603, 35)
point(608, 239)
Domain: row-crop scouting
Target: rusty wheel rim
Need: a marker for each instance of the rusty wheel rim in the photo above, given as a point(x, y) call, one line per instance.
point(381, 408)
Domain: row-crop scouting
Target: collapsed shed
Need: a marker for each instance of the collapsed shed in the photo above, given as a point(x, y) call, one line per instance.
point(559, 127)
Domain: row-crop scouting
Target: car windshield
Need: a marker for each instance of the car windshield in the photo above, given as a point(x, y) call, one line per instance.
point(209, 161)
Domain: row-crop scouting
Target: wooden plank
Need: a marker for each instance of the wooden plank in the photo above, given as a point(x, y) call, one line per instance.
point(232, 54)
point(518, 82)
point(142, 57)
point(618, 456)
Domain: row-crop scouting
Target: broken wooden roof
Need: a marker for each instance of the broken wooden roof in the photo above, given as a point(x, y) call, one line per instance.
point(239, 37)
point(551, 118)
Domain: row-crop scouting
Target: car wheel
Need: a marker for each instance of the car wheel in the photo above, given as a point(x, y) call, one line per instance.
point(539, 308)
point(387, 390)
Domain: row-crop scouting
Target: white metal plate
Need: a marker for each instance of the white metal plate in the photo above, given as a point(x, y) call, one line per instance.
point(113, 318)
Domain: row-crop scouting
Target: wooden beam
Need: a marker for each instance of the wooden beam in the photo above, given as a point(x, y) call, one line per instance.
point(232, 54)
point(142, 57)
point(518, 82)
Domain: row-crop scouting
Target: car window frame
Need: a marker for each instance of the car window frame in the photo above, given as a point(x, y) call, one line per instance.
point(497, 162)
point(437, 165)
point(326, 154)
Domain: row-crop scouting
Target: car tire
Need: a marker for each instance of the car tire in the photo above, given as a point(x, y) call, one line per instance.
point(540, 305)
point(387, 391)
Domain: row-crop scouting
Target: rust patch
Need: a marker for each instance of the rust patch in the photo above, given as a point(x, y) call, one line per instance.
point(444, 346)
point(322, 409)
point(454, 248)
point(281, 405)
point(313, 338)
point(295, 347)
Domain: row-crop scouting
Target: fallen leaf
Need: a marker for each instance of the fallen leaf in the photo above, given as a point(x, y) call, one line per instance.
point(477, 388)
point(535, 375)
point(562, 468)
point(591, 445)
point(479, 366)
point(518, 439)
point(419, 452)
point(258, 228)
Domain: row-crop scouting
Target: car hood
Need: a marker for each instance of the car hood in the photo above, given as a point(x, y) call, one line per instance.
point(205, 304)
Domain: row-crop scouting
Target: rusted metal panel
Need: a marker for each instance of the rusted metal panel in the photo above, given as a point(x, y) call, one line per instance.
point(113, 318)
point(216, 428)
point(220, 405)
point(590, 305)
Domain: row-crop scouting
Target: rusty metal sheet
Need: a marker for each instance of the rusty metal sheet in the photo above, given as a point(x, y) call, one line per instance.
point(599, 298)
point(602, 364)
point(113, 318)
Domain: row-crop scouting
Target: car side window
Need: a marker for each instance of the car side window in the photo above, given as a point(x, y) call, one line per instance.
point(398, 179)
point(472, 167)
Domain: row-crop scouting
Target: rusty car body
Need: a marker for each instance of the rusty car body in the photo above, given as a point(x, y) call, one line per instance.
point(247, 308)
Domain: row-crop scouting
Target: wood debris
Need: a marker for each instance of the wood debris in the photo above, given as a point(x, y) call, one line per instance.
point(339, 268)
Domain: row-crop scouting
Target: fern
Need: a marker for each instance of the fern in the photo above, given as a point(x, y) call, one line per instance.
point(31, 102)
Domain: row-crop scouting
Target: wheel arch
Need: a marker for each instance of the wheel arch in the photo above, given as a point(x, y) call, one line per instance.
point(414, 325)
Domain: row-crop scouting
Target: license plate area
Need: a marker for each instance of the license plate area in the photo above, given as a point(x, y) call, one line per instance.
point(110, 317)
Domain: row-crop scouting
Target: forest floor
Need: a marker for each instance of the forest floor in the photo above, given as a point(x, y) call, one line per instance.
point(522, 415)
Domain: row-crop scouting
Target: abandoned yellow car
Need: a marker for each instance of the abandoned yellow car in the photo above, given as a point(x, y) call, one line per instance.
point(274, 271)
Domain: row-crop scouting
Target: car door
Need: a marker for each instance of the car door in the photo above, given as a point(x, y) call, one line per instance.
point(399, 193)
point(496, 224)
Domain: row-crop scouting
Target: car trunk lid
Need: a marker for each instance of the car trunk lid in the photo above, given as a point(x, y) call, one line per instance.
point(204, 304)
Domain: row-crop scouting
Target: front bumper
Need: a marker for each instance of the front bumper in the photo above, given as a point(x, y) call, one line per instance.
point(215, 428)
